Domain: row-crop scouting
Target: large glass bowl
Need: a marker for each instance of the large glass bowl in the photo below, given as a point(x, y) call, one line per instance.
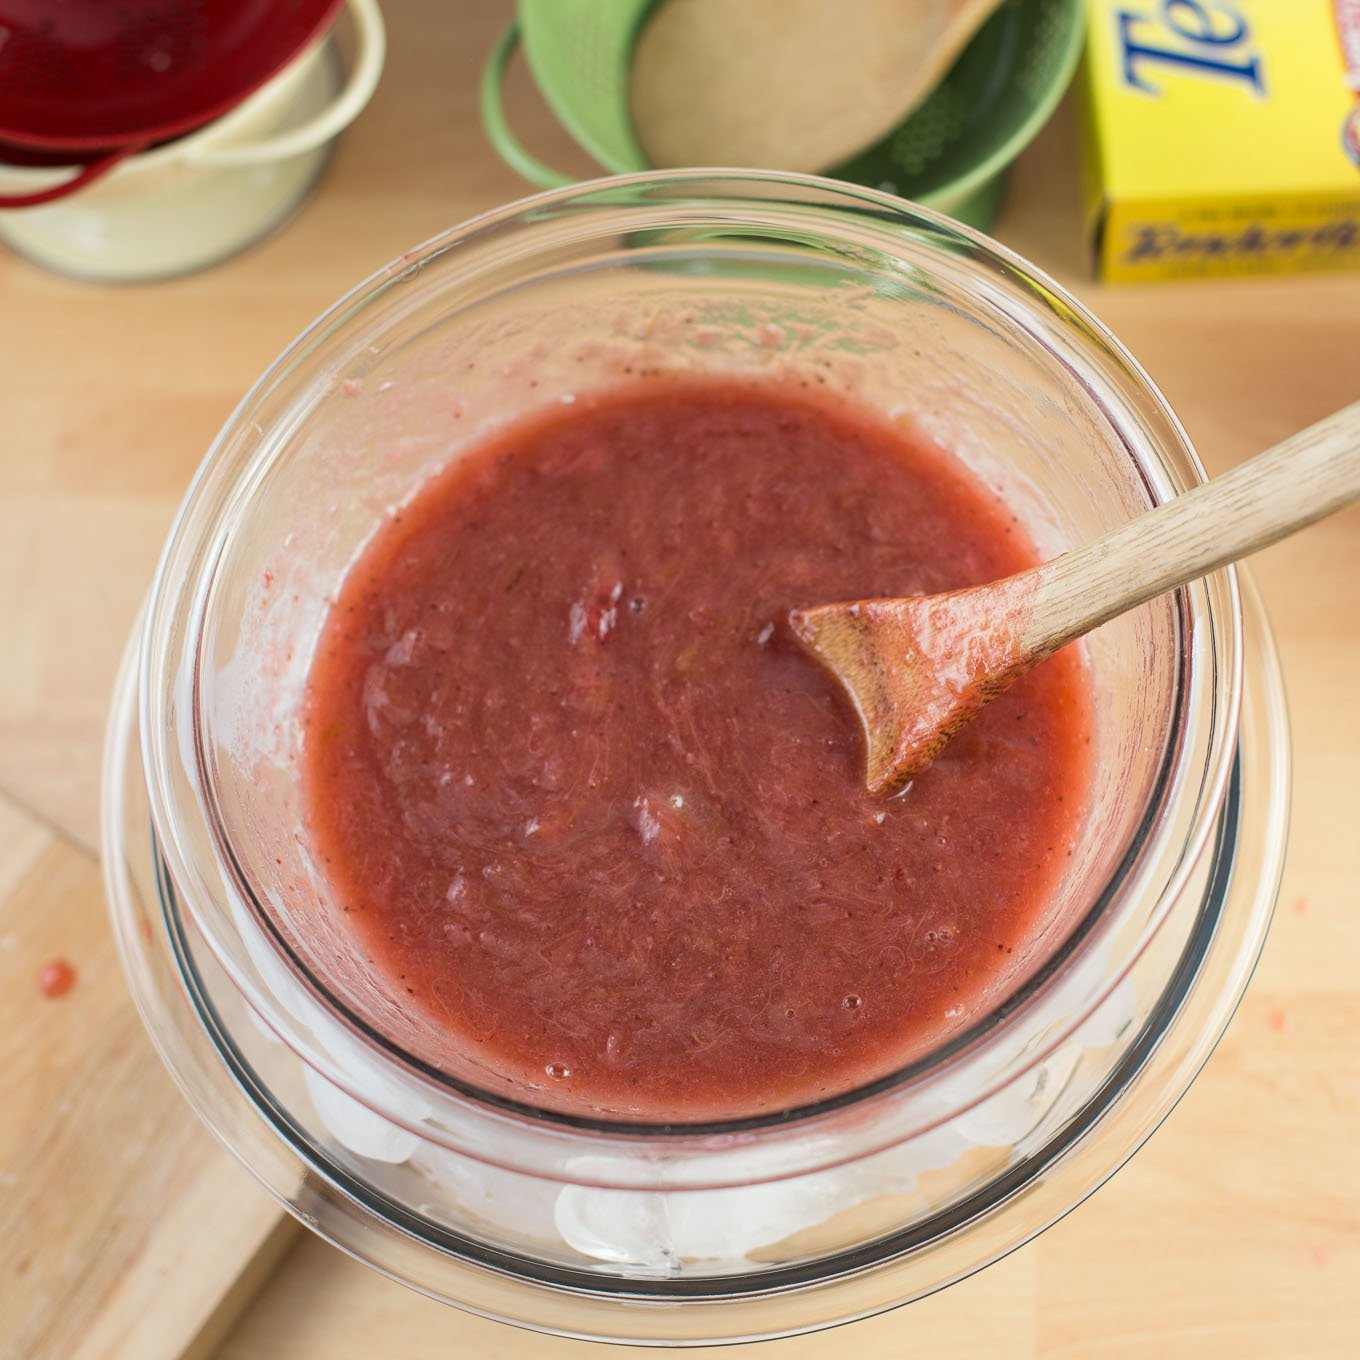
point(485, 1193)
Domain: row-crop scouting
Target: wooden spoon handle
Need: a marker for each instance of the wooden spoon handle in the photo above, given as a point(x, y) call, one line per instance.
point(1301, 479)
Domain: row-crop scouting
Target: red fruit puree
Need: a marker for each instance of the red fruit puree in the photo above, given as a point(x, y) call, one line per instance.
point(589, 806)
point(56, 978)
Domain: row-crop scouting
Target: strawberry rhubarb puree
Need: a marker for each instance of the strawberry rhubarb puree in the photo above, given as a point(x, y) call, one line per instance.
point(586, 803)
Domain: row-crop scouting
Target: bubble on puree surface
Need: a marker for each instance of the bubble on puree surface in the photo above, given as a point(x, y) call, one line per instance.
point(593, 814)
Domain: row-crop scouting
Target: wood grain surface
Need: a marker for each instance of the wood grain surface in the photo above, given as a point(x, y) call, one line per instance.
point(124, 1231)
point(106, 1178)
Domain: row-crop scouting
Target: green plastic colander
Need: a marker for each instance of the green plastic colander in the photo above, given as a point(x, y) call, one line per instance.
point(951, 154)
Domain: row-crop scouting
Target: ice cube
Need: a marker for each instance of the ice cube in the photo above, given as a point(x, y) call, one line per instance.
point(355, 1126)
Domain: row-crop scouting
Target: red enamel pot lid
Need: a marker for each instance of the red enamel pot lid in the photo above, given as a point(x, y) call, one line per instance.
point(100, 75)
point(30, 155)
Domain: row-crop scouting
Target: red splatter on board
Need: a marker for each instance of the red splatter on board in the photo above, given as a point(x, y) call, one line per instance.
point(1301, 906)
point(56, 978)
point(1277, 1020)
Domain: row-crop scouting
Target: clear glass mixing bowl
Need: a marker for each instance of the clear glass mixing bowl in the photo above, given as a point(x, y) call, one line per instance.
point(305, 1062)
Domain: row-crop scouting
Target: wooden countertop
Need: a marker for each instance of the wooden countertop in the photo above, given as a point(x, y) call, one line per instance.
point(1235, 1233)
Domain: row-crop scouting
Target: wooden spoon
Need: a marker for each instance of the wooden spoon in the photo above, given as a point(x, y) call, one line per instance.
point(917, 669)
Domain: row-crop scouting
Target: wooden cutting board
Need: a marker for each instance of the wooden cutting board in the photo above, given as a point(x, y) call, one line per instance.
point(123, 1227)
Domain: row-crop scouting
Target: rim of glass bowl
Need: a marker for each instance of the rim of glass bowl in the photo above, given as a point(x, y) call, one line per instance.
point(1193, 773)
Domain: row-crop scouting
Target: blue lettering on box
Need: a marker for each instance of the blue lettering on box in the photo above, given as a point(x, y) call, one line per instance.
point(1200, 38)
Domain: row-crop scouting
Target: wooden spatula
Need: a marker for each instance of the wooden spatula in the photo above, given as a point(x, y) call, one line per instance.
point(917, 669)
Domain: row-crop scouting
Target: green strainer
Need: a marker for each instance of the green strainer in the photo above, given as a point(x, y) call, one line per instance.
point(950, 154)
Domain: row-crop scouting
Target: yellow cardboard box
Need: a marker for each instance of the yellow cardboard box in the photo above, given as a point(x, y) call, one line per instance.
point(1222, 138)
